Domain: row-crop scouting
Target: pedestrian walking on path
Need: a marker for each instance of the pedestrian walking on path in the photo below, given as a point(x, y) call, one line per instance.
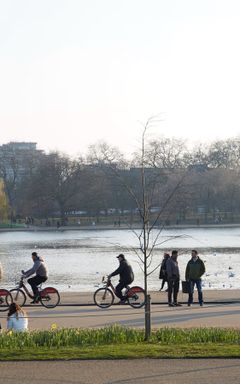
point(163, 270)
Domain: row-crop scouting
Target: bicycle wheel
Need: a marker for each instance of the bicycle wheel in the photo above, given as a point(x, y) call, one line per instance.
point(136, 297)
point(18, 296)
point(49, 297)
point(103, 298)
point(5, 299)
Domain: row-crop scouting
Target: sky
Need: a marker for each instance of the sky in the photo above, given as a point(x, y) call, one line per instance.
point(76, 72)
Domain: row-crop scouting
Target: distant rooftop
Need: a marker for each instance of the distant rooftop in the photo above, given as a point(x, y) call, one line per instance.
point(21, 145)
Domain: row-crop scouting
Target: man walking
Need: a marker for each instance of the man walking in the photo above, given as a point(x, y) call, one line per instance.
point(194, 271)
point(173, 276)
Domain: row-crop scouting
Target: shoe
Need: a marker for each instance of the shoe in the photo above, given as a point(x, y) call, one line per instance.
point(171, 305)
point(122, 302)
point(201, 304)
point(34, 302)
point(178, 305)
point(189, 304)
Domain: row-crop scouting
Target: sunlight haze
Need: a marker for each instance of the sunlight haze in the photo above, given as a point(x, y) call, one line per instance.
point(76, 72)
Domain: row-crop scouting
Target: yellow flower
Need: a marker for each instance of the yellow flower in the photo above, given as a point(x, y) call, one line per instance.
point(54, 327)
point(10, 333)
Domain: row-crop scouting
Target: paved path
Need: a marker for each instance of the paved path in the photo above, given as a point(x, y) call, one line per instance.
point(211, 315)
point(144, 371)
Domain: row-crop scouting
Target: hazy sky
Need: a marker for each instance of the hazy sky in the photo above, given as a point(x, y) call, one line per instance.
point(73, 72)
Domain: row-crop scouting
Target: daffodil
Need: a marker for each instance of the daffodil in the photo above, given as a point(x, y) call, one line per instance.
point(54, 327)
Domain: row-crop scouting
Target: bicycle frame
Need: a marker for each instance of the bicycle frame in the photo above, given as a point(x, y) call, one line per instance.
point(104, 297)
point(108, 284)
point(22, 286)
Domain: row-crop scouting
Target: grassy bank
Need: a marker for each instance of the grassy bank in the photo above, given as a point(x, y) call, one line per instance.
point(119, 342)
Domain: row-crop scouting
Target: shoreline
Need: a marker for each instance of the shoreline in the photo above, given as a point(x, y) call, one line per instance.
point(112, 227)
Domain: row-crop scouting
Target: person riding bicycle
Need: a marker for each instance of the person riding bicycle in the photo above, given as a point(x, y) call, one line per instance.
point(41, 276)
point(126, 277)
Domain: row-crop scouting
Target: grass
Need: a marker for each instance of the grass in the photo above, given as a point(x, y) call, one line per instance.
point(117, 342)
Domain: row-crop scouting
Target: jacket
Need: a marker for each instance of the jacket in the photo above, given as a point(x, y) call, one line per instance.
point(17, 323)
point(194, 269)
point(172, 269)
point(39, 268)
point(125, 271)
point(163, 270)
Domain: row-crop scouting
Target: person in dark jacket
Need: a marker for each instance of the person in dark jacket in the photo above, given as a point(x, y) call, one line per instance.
point(126, 276)
point(41, 275)
point(173, 275)
point(163, 270)
point(194, 271)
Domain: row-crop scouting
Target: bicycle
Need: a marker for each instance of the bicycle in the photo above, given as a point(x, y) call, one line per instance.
point(49, 297)
point(5, 299)
point(104, 297)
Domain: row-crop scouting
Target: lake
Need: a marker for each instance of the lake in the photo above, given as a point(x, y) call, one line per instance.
point(77, 260)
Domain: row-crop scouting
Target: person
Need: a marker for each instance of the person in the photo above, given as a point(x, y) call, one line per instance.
point(126, 277)
point(194, 270)
point(173, 276)
point(163, 270)
point(17, 318)
point(41, 276)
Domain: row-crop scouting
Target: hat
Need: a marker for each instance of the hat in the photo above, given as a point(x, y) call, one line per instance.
point(121, 255)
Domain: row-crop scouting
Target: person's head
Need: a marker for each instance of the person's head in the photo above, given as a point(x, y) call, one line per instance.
point(194, 254)
point(120, 257)
point(14, 308)
point(174, 255)
point(166, 255)
point(34, 256)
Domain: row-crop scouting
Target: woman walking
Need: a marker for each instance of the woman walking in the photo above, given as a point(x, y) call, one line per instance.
point(163, 270)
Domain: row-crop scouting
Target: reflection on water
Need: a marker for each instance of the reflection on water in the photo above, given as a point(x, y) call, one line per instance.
point(78, 259)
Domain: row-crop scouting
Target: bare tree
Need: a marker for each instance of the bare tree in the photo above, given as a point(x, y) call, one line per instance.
point(143, 195)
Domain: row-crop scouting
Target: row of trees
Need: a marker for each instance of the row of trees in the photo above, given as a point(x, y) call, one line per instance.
point(202, 181)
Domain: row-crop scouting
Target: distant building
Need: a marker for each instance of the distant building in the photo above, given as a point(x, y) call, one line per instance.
point(19, 146)
point(16, 158)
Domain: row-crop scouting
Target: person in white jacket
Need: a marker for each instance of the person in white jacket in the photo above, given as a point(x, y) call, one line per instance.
point(17, 319)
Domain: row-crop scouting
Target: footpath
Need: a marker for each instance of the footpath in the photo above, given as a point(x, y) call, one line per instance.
point(224, 296)
point(221, 309)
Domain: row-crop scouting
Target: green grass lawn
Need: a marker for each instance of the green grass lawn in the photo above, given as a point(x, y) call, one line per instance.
point(119, 343)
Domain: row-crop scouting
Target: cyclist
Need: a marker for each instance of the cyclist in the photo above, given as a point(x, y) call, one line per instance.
point(126, 277)
point(41, 276)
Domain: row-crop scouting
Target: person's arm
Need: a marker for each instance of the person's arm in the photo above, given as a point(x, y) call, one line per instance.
point(32, 270)
point(202, 268)
point(117, 271)
point(9, 323)
point(187, 272)
point(169, 269)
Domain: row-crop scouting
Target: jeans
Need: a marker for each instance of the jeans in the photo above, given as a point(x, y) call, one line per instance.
point(173, 288)
point(198, 283)
point(34, 282)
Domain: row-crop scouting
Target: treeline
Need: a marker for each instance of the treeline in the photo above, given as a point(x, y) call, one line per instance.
point(182, 184)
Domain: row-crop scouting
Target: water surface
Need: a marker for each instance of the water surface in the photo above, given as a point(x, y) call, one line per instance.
point(78, 259)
